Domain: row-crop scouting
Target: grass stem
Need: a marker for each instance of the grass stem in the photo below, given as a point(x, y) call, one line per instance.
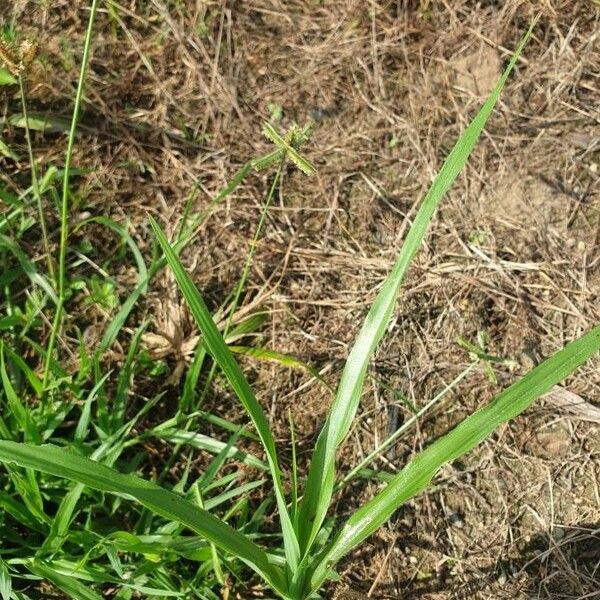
point(64, 210)
point(35, 181)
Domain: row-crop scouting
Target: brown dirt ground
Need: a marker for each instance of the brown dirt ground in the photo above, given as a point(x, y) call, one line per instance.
point(514, 250)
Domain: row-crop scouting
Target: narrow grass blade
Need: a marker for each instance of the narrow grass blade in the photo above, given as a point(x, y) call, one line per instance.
point(218, 349)
point(62, 520)
point(29, 492)
point(140, 288)
point(35, 182)
point(83, 570)
point(6, 151)
point(108, 452)
point(11, 199)
point(117, 322)
point(419, 472)
point(17, 408)
point(224, 482)
point(186, 235)
point(249, 325)
point(159, 544)
point(285, 360)
point(61, 463)
point(225, 424)
point(204, 442)
point(242, 490)
point(191, 380)
point(11, 321)
point(321, 476)
point(64, 202)
point(294, 477)
point(215, 560)
point(119, 407)
point(69, 585)
point(39, 122)
point(19, 512)
point(32, 378)
point(125, 236)
point(218, 461)
point(83, 424)
point(5, 581)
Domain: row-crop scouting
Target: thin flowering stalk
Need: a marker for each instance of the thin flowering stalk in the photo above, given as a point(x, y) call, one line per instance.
point(64, 211)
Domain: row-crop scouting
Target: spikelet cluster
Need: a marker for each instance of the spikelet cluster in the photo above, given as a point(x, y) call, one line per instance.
point(18, 60)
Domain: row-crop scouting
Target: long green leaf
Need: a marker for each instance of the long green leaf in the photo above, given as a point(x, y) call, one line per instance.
point(6, 151)
point(28, 489)
point(117, 322)
point(419, 472)
point(18, 409)
point(5, 581)
point(285, 360)
point(218, 461)
point(119, 404)
point(61, 463)
point(32, 378)
point(40, 122)
point(321, 476)
point(241, 490)
point(69, 585)
point(218, 349)
point(209, 444)
point(18, 510)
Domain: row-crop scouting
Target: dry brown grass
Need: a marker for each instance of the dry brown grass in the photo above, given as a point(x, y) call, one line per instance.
point(390, 85)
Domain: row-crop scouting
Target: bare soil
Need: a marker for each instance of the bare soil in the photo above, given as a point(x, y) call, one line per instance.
point(176, 96)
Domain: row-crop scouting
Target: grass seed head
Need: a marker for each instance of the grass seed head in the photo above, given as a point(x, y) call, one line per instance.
point(29, 52)
point(18, 60)
point(8, 57)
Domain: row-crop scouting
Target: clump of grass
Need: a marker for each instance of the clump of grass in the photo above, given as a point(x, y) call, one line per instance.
point(296, 563)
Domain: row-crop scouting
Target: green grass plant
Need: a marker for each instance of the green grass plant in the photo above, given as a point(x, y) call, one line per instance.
point(72, 460)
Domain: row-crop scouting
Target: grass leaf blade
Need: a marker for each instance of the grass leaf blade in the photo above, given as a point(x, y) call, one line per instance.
point(320, 482)
point(218, 349)
point(69, 585)
point(285, 360)
point(418, 473)
point(208, 444)
point(5, 581)
point(18, 409)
